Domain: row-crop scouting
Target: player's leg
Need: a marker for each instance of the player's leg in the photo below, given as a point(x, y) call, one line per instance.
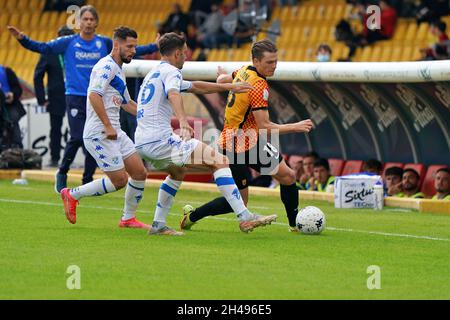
point(134, 190)
point(205, 156)
point(76, 120)
point(219, 205)
point(166, 198)
point(288, 191)
point(106, 154)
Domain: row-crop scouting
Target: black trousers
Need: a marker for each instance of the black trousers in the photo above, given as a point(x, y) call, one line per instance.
point(56, 122)
point(76, 113)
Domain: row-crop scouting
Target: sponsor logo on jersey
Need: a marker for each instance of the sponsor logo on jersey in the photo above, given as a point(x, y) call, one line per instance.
point(266, 95)
point(87, 55)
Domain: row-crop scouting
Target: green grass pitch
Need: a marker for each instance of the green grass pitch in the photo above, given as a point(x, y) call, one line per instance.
point(215, 260)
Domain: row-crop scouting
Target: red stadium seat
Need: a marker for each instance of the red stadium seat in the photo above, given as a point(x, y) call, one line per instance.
point(352, 166)
point(336, 166)
point(428, 182)
point(420, 168)
point(388, 165)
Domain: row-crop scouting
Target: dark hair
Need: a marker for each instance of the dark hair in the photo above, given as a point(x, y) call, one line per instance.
point(394, 171)
point(262, 46)
point(325, 47)
point(373, 164)
point(311, 154)
point(322, 163)
point(90, 9)
point(170, 42)
point(65, 31)
point(442, 26)
point(123, 33)
point(447, 170)
point(413, 171)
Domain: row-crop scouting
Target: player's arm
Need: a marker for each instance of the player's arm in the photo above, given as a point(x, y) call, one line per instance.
point(130, 107)
point(99, 108)
point(140, 50)
point(203, 87)
point(55, 46)
point(186, 131)
point(263, 121)
point(223, 76)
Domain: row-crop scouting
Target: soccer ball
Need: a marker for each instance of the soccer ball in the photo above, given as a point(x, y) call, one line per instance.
point(310, 220)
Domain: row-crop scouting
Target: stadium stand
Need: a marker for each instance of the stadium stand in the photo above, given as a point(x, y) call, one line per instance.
point(336, 166)
point(352, 166)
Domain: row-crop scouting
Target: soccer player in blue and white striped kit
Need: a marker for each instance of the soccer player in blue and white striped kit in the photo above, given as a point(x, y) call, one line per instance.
point(80, 52)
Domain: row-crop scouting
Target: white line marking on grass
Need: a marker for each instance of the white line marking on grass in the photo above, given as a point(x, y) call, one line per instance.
point(387, 234)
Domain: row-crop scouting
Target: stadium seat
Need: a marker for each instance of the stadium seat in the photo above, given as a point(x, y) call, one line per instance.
point(428, 182)
point(388, 165)
point(420, 168)
point(352, 166)
point(336, 166)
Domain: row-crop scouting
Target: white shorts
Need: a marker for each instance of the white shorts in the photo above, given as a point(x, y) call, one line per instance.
point(168, 151)
point(110, 154)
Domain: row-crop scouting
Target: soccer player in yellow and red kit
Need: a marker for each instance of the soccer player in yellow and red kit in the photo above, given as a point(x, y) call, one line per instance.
point(244, 137)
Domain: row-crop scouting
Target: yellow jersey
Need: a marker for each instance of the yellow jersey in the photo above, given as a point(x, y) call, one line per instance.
point(240, 131)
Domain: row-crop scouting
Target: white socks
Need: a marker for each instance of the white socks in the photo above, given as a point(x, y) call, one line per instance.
point(95, 188)
point(166, 197)
point(133, 195)
point(227, 186)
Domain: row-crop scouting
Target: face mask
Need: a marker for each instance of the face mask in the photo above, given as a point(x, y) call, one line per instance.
point(323, 58)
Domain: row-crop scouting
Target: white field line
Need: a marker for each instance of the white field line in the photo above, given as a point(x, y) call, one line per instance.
point(387, 234)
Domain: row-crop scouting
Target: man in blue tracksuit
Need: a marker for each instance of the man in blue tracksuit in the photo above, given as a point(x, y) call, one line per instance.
point(81, 52)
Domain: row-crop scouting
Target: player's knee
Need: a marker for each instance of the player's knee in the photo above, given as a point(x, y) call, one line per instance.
point(120, 181)
point(140, 175)
point(288, 178)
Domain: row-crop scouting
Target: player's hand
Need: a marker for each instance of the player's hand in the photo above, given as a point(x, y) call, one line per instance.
point(9, 97)
point(16, 33)
point(186, 131)
point(158, 36)
point(396, 188)
point(304, 178)
point(220, 71)
point(110, 133)
point(304, 126)
point(241, 87)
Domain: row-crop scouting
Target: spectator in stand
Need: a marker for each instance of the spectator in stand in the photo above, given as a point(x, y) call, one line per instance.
point(308, 169)
point(322, 179)
point(386, 28)
point(211, 27)
point(52, 65)
point(431, 10)
point(373, 166)
point(442, 184)
point(438, 51)
point(13, 108)
point(410, 185)
point(393, 181)
point(176, 22)
point(324, 53)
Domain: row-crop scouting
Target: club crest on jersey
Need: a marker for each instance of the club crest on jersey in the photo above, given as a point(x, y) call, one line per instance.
point(98, 43)
point(73, 112)
point(117, 101)
point(265, 94)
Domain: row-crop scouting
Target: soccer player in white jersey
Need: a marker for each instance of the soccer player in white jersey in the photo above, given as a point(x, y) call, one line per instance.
point(155, 141)
point(106, 142)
